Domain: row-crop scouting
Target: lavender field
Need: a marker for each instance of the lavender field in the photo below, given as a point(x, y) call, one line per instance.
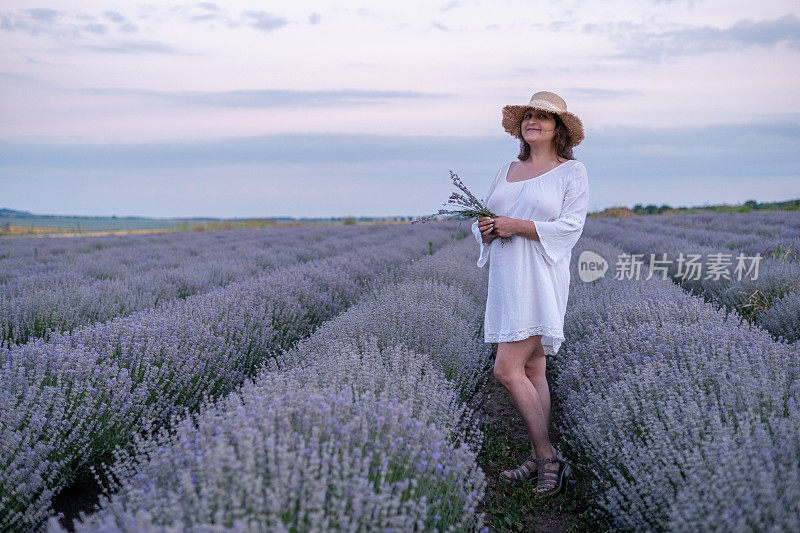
point(322, 379)
point(770, 297)
point(51, 285)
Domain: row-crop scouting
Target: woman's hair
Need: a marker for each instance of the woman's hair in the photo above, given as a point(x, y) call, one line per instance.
point(561, 140)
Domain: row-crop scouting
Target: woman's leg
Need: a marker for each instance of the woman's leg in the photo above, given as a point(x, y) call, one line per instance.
point(535, 370)
point(509, 368)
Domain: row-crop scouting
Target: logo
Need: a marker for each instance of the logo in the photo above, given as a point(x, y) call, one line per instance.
point(591, 266)
point(687, 266)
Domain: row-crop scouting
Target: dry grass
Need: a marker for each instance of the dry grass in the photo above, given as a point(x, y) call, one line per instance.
point(34, 231)
point(617, 212)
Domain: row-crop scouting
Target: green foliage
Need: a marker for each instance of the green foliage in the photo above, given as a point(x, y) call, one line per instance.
point(513, 507)
point(746, 207)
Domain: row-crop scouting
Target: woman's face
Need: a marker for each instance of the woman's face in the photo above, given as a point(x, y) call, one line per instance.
point(538, 126)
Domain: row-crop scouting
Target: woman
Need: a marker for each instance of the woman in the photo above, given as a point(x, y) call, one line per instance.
point(543, 198)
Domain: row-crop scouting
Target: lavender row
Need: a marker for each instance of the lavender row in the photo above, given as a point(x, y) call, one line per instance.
point(40, 254)
point(685, 418)
point(75, 398)
point(66, 287)
point(30, 263)
point(752, 298)
point(360, 427)
point(772, 226)
point(749, 233)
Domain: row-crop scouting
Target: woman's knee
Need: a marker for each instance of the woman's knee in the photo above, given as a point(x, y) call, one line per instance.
point(500, 371)
point(505, 372)
point(511, 357)
point(535, 367)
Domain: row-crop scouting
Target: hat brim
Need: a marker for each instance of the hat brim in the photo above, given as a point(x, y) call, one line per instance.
point(512, 120)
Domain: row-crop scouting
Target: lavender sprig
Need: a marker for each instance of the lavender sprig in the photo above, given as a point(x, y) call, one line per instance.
point(471, 206)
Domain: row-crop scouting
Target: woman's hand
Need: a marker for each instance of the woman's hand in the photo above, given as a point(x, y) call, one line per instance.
point(486, 227)
point(504, 226)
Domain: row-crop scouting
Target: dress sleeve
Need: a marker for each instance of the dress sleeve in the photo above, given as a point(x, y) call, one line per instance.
point(557, 237)
point(484, 255)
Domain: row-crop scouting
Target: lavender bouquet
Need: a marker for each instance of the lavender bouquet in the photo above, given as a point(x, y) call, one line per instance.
point(470, 206)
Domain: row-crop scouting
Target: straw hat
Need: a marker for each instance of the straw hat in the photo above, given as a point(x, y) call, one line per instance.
point(546, 101)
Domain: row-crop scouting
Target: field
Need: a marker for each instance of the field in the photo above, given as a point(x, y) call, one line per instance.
point(15, 223)
point(327, 378)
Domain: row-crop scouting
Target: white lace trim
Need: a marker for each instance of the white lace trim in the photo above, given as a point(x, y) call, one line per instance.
point(573, 219)
point(555, 333)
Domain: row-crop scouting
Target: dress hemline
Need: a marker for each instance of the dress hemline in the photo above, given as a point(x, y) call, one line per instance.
point(554, 333)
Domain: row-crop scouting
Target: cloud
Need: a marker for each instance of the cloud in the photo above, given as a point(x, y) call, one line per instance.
point(262, 98)
point(450, 5)
point(605, 94)
point(743, 34)
point(561, 25)
point(97, 29)
point(209, 6)
point(621, 27)
point(272, 149)
point(206, 11)
point(372, 174)
point(713, 150)
point(34, 61)
point(21, 78)
point(689, 3)
point(261, 20)
point(61, 24)
point(114, 16)
point(314, 19)
point(42, 15)
point(33, 21)
point(143, 46)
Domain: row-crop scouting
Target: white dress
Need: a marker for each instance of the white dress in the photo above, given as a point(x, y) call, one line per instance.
point(529, 279)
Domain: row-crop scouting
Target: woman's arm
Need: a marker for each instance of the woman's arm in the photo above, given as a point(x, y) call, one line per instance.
point(526, 228)
point(506, 227)
point(556, 237)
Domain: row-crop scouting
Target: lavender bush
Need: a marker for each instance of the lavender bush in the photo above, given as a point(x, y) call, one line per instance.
point(782, 319)
point(406, 313)
point(49, 285)
point(766, 233)
point(682, 414)
point(283, 456)
point(75, 398)
point(750, 297)
point(404, 451)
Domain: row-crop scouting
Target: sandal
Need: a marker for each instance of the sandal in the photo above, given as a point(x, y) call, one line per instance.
point(550, 482)
point(526, 470)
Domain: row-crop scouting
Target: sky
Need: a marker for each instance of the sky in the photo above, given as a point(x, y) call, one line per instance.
point(356, 108)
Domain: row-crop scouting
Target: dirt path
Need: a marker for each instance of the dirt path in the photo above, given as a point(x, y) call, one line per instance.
point(506, 444)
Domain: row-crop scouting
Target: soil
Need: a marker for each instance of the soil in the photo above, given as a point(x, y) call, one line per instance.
point(80, 496)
